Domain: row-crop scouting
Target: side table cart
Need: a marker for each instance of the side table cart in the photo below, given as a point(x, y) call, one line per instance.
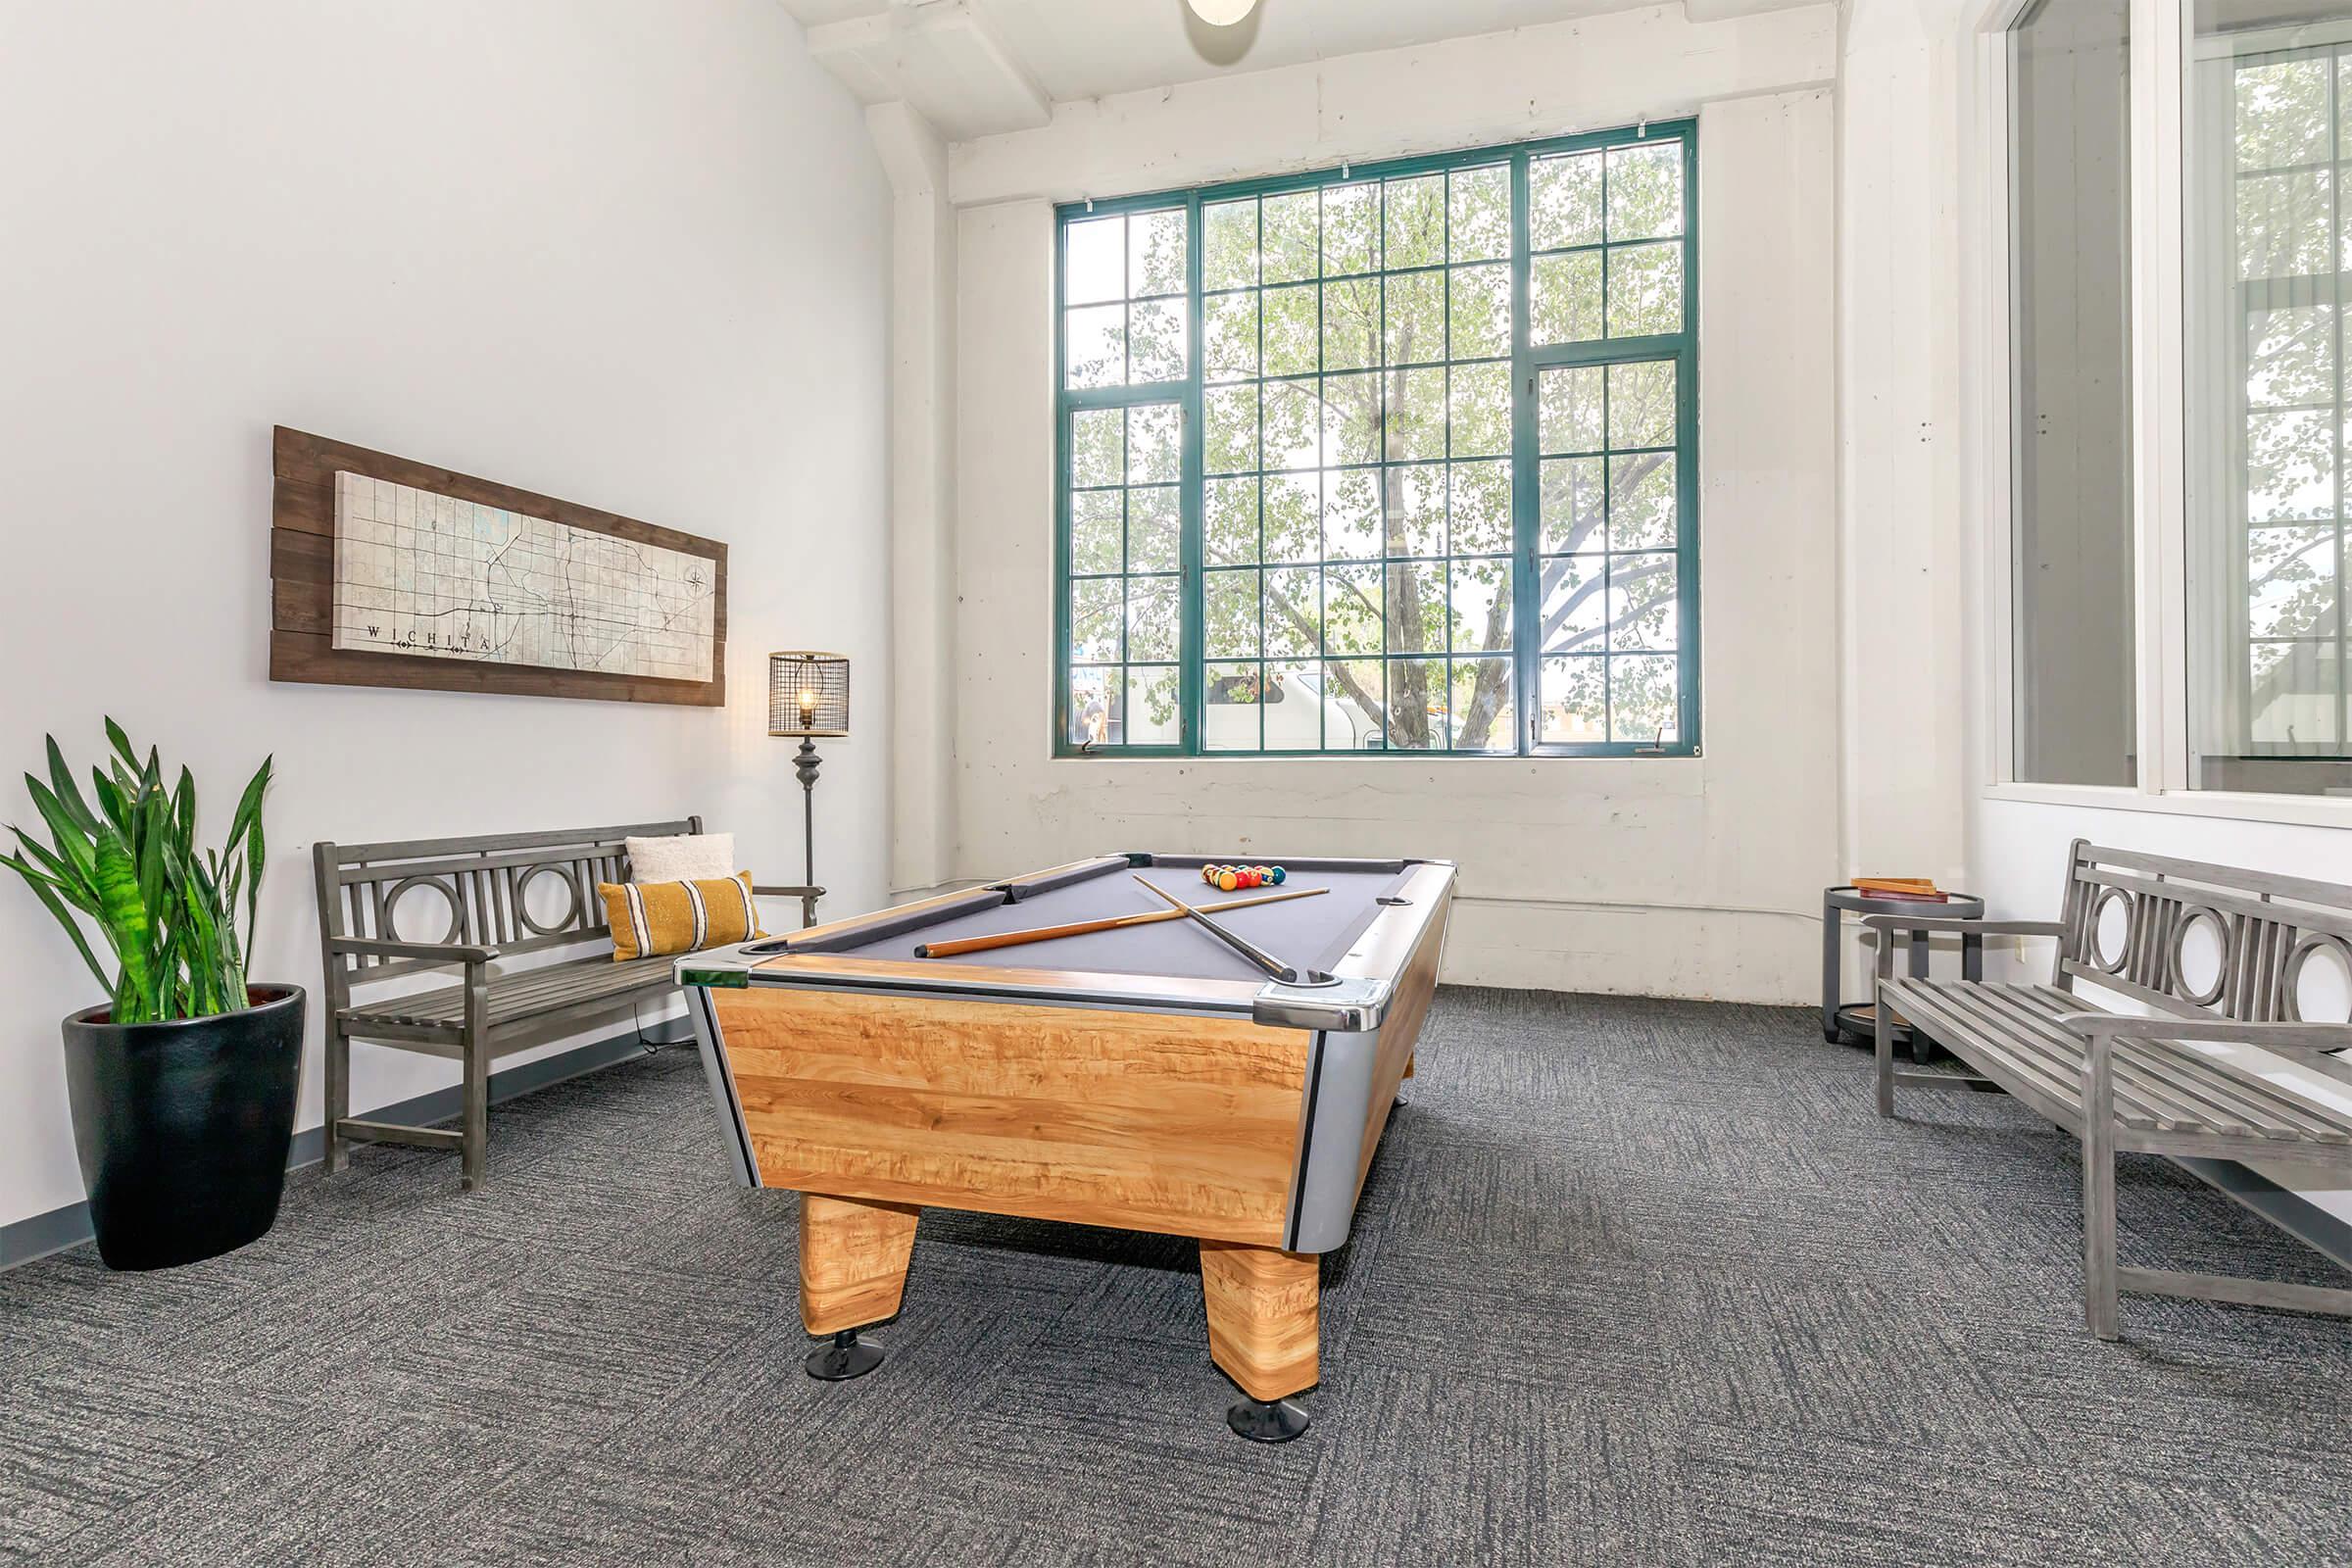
point(1855, 1023)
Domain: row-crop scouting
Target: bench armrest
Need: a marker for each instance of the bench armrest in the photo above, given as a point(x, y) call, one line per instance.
point(2322, 1036)
point(1885, 925)
point(440, 952)
point(807, 896)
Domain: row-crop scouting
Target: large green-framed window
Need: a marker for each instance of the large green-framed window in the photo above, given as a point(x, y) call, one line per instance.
point(1385, 459)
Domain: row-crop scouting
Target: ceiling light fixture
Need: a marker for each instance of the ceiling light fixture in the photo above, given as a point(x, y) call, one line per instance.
point(1221, 13)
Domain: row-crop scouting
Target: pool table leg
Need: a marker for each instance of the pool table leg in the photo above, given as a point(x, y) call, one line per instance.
point(1263, 1322)
point(853, 1256)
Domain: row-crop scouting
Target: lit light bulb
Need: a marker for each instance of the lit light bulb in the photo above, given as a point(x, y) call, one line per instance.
point(808, 707)
point(1222, 13)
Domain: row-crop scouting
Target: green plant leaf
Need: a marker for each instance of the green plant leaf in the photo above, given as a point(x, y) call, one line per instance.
point(121, 742)
point(43, 889)
point(113, 803)
point(229, 905)
point(72, 842)
point(246, 825)
point(213, 956)
point(56, 862)
point(249, 804)
point(128, 928)
point(184, 806)
point(52, 872)
point(184, 999)
point(153, 843)
point(255, 854)
point(60, 779)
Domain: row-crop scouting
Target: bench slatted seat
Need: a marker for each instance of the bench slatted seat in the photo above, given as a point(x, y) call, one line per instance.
point(527, 993)
point(504, 895)
point(2159, 1087)
point(2138, 1083)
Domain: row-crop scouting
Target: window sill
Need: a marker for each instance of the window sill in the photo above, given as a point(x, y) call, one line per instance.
point(2222, 804)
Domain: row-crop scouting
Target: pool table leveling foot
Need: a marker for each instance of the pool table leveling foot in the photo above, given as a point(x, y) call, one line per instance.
point(1263, 1421)
point(844, 1357)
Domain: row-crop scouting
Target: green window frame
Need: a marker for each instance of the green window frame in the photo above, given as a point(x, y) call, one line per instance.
point(1359, 461)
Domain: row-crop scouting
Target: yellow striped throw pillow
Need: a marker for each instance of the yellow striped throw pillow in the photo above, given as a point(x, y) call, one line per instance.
point(663, 917)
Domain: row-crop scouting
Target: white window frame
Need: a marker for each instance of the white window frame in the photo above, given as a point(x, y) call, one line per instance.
point(2160, 30)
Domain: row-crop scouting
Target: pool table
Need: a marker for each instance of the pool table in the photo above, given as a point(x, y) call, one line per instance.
point(1147, 1078)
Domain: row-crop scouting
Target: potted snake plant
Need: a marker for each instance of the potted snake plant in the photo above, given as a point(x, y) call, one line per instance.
point(182, 1081)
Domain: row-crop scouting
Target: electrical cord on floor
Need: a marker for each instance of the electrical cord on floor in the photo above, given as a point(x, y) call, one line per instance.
point(649, 1046)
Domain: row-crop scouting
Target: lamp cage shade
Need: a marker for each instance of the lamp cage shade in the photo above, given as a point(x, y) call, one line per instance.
point(808, 693)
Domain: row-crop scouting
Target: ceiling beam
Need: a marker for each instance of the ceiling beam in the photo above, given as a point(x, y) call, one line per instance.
point(940, 56)
point(1728, 10)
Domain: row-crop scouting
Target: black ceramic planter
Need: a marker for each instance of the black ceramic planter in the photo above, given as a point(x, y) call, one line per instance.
point(183, 1128)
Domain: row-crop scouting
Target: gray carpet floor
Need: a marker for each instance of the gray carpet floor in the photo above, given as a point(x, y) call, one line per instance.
point(1632, 1283)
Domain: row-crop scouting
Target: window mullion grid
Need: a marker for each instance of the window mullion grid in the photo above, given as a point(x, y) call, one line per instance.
point(1191, 637)
point(1526, 574)
point(1444, 416)
point(1380, 454)
point(1257, 375)
point(2335, 294)
point(1063, 712)
point(1599, 354)
point(1323, 658)
point(1686, 475)
point(1526, 362)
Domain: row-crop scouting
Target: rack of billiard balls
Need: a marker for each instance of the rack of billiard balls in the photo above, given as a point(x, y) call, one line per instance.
point(1234, 878)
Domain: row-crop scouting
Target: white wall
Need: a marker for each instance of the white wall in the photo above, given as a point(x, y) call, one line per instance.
point(631, 255)
point(1698, 877)
point(1899, 550)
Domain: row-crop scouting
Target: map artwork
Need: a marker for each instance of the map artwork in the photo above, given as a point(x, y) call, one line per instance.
point(431, 575)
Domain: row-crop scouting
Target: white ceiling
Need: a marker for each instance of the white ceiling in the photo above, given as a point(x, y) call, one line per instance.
point(974, 68)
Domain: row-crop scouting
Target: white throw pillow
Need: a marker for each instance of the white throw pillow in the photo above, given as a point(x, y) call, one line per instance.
point(684, 857)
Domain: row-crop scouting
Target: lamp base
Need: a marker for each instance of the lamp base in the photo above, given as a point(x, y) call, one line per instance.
point(805, 764)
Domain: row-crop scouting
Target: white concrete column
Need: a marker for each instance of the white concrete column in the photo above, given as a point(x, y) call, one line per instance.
point(922, 460)
point(1900, 567)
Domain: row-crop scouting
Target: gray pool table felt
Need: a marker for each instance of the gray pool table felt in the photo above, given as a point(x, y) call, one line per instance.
point(1314, 932)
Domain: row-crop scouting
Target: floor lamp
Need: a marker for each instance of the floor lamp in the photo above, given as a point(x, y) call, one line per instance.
point(808, 697)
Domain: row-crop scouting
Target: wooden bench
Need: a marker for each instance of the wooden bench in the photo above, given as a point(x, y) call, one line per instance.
point(2147, 1086)
point(495, 894)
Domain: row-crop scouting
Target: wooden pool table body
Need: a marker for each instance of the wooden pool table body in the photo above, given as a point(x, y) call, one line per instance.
point(1220, 1107)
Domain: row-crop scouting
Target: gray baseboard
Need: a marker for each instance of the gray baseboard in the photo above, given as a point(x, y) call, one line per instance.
point(23, 1241)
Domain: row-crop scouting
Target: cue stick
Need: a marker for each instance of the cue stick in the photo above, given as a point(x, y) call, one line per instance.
point(1279, 970)
point(1080, 928)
